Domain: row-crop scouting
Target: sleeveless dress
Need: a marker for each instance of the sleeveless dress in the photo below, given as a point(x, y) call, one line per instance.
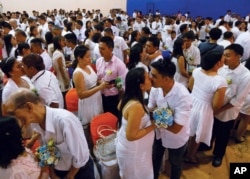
point(91, 106)
point(202, 117)
point(56, 55)
point(178, 76)
point(135, 157)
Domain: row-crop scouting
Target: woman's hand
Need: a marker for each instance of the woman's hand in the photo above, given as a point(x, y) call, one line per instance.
point(104, 85)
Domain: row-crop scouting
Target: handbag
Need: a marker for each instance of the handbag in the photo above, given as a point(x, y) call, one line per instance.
point(105, 148)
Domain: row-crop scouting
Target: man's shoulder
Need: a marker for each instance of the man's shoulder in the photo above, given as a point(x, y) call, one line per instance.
point(180, 89)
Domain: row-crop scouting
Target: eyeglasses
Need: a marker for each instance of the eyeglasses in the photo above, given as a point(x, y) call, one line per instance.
point(12, 113)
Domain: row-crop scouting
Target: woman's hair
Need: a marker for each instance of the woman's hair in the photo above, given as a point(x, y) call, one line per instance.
point(32, 28)
point(133, 36)
point(20, 47)
point(11, 141)
point(134, 78)
point(56, 42)
point(87, 31)
point(135, 55)
point(69, 26)
point(49, 38)
point(177, 48)
point(7, 42)
point(210, 59)
point(96, 37)
point(80, 51)
point(86, 24)
point(7, 65)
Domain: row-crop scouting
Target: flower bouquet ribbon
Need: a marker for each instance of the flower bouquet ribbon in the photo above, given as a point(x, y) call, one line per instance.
point(163, 117)
point(48, 154)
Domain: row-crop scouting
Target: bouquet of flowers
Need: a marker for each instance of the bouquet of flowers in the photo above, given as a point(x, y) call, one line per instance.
point(48, 155)
point(35, 91)
point(118, 82)
point(163, 117)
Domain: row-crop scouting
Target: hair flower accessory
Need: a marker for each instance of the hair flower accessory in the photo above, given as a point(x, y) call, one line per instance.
point(163, 117)
point(48, 155)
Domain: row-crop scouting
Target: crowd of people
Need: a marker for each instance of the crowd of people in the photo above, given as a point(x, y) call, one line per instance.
point(60, 69)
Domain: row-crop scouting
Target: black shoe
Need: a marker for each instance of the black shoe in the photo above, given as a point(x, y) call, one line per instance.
point(242, 139)
point(217, 161)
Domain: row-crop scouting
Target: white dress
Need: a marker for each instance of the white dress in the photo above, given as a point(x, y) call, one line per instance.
point(23, 167)
point(91, 46)
point(135, 157)
point(202, 118)
point(11, 87)
point(178, 76)
point(56, 55)
point(91, 106)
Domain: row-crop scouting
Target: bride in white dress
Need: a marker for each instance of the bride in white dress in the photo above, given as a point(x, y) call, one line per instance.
point(88, 91)
point(136, 135)
point(208, 91)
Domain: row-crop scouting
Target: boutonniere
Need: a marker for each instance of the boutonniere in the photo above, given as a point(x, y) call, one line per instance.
point(108, 72)
point(229, 81)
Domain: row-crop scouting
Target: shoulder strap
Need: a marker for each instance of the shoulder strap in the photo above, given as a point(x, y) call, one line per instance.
point(203, 53)
point(124, 109)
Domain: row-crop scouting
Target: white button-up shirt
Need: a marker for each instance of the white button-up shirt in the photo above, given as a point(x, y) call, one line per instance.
point(66, 130)
point(179, 100)
point(47, 87)
point(192, 55)
point(237, 90)
point(244, 40)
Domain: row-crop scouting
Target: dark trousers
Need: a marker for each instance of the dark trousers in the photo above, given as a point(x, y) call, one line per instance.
point(64, 100)
point(110, 104)
point(221, 134)
point(86, 129)
point(175, 159)
point(85, 172)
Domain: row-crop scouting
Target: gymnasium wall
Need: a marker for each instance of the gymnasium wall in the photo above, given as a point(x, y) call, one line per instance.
point(43, 5)
point(212, 8)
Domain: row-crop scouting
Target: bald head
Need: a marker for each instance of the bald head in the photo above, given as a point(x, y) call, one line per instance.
point(20, 98)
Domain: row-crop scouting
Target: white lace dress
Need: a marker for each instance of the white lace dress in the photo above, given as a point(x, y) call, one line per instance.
point(135, 157)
